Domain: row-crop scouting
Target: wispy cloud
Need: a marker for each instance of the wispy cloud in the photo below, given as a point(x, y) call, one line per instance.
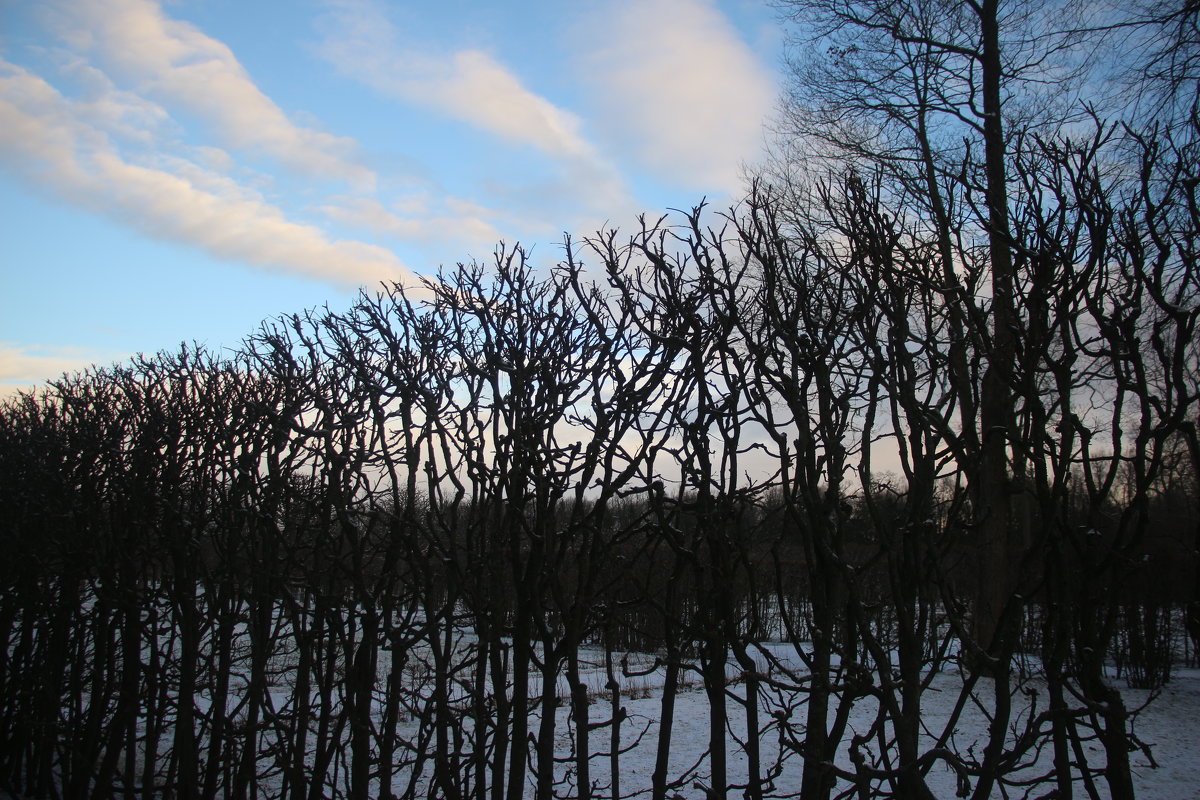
point(475, 88)
point(176, 64)
point(674, 84)
point(414, 219)
point(467, 85)
point(47, 139)
point(22, 366)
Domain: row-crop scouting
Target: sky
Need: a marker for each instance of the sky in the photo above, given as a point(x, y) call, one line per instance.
point(182, 170)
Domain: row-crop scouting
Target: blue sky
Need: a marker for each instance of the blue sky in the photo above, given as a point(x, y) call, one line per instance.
point(184, 169)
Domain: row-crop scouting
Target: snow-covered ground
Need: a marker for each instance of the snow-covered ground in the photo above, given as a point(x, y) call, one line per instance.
point(1169, 726)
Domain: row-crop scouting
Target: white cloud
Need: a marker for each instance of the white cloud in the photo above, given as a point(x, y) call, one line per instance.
point(119, 112)
point(177, 64)
point(474, 87)
point(43, 139)
point(411, 219)
point(676, 85)
point(23, 366)
point(469, 85)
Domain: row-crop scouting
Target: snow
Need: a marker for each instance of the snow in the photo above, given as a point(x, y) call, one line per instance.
point(1168, 768)
point(1169, 726)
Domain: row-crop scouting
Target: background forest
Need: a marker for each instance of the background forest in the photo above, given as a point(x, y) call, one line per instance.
point(923, 404)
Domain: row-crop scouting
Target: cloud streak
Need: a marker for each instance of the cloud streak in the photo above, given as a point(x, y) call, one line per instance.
point(473, 87)
point(24, 366)
point(175, 63)
point(674, 84)
point(46, 139)
point(413, 220)
point(468, 85)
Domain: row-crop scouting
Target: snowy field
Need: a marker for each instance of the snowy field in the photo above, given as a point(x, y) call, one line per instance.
point(1169, 726)
point(1167, 768)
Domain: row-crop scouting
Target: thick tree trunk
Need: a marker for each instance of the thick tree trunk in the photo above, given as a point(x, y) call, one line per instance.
point(996, 404)
point(580, 720)
point(666, 716)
